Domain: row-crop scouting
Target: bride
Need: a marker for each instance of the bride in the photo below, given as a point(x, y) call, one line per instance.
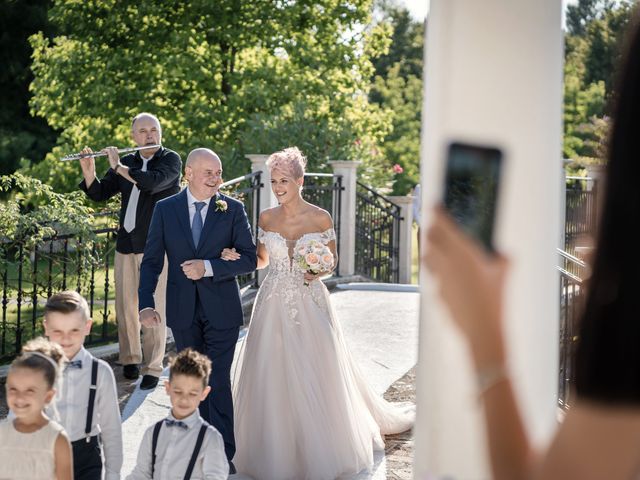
point(302, 408)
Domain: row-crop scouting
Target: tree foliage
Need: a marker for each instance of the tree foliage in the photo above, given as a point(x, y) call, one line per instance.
point(397, 87)
point(35, 212)
point(213, 72)
point(593, 46)
point(22, 137)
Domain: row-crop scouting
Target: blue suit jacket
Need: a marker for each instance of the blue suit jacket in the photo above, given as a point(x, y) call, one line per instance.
point(170, 234)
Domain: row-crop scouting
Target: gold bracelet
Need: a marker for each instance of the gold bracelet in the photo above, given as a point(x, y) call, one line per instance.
point(489, 377)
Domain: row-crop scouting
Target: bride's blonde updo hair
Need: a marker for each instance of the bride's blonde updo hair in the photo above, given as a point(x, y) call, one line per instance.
point(289, 161)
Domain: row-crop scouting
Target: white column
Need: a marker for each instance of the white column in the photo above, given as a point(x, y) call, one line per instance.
point(267, 198)
point(405, 203)
point(347, 254)
point(495, 78)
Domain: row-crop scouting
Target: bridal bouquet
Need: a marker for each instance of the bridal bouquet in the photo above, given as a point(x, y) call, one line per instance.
point(314, 257)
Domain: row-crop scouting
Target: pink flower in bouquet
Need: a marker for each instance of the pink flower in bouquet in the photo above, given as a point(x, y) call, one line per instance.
point(312, 259)
point(327, 259)
point(397, 168)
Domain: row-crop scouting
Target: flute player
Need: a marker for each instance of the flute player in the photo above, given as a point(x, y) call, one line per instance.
point(142, 178)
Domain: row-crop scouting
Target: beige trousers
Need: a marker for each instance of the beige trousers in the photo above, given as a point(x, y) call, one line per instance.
point(152, 347)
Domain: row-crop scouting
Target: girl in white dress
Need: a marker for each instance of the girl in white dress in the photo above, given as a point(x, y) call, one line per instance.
point(302, 409)
point(32, 446)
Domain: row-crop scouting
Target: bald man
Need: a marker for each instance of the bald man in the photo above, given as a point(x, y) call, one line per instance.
point(204, 309)
point(142, 179)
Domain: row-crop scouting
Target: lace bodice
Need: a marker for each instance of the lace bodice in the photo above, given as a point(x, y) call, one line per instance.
point(286, 278)
point(281, 249)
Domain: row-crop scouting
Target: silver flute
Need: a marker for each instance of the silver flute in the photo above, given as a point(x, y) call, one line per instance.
point(78, 156)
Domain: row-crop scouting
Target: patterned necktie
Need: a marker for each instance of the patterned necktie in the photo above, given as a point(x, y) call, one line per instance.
point(175, 423)
point(196, 226)
point(130, 215)
point(74, 364)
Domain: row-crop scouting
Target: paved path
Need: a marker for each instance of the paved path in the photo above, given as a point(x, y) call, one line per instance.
point(380, 327)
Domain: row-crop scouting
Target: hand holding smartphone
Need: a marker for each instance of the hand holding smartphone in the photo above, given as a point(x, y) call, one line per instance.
point(471, 189)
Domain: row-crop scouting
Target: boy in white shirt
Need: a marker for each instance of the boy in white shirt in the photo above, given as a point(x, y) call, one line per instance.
point(88, 401)
point(183, 445)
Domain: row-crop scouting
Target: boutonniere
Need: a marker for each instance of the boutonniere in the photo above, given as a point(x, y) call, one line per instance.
point(221, 205)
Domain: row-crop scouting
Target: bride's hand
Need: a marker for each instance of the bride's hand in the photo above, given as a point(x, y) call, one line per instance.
point(471, 281)
point(229, 254)
point(310, 277)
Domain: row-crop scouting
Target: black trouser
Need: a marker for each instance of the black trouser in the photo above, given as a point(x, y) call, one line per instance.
point(87, 459)
point(219, 346)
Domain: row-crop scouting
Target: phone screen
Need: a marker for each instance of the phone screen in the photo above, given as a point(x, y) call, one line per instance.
point(471, 189)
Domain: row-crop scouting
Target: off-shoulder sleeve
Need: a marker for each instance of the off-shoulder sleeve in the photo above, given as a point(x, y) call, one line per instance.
point(328, 235)
point(261, 235)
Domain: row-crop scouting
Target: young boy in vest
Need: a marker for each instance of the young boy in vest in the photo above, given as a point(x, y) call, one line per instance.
point(88, 401)
point(183, 445)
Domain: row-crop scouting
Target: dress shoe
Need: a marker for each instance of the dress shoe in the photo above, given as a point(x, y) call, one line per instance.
point(148, 382)
point(131, 371)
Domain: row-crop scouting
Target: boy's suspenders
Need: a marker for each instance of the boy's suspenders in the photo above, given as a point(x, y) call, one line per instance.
point(154, 444)
point(196, 451)
point(194, 455)
point(92, 399)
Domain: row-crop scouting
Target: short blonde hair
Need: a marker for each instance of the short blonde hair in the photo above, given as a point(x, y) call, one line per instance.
point(67, 302)
point(289, 161)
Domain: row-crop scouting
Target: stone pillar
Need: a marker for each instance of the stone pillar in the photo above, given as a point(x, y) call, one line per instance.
point(267, 198)
point(595, 173)
point(563, 207)
point(406, 236)
point(347, 253)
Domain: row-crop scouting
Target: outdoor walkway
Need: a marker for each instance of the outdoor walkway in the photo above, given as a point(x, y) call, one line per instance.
point(380, 324)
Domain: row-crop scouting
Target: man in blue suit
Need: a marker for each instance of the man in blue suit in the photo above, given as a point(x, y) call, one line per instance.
point(203, 307)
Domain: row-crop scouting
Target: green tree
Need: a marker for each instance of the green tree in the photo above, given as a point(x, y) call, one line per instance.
point(211, 71)
point(592, 49)
point(22, 137)
point(397, 87)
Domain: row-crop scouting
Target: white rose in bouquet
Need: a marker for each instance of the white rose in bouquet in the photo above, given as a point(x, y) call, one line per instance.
point(314, 257)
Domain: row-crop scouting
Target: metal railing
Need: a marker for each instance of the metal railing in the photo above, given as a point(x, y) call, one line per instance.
point(377, 236)
point(325, 190)
point(57, 264)
point(247, 189)
point(581, 210)
point(572, 271)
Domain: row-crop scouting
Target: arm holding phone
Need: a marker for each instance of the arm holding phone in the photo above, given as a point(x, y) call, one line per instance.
point(597, 439)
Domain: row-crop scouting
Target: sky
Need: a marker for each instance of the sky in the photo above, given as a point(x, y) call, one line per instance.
point(419, 8)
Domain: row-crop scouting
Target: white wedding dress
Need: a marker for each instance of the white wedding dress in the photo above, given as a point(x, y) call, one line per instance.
point(302, 408)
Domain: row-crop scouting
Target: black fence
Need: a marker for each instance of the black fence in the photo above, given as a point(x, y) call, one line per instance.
point(56, 264)
point(581, 211)
point(28, 278)
point(247, 190)
point(377, 236)
point(572, 271)
point(325, 190)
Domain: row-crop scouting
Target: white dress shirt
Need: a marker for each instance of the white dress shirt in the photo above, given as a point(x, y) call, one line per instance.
point(72, 403)
point(208, 270)
point(175, 448)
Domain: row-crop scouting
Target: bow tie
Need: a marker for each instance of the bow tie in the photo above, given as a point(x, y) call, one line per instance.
point(74, 364)
point(175, 423)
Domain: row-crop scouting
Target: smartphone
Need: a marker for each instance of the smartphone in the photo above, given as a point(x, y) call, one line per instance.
point(471, 189)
